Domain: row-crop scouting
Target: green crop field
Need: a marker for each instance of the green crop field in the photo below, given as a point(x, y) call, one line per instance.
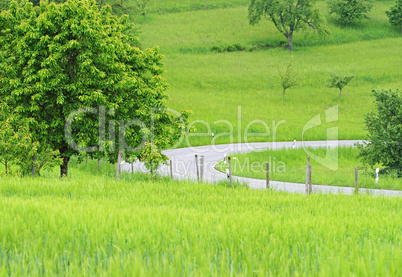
point(90, 225)
point(289, 165)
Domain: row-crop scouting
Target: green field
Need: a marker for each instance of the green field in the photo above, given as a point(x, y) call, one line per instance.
point(214, 85)
point(90, 225)
point(289, 165)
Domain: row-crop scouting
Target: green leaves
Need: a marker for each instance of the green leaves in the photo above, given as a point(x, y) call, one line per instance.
point(17, 146)
point(338, 80)
point(384, 127)
point(289, 78)
point(59, 58)
point(350, 11)
point(288, 16)
point(395, 15)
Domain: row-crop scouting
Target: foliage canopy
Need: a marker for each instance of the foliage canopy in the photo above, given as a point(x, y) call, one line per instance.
point(339, 81)
point(73, 70)
point(395, 15)
point(384, 127)
point(288, 16)
point(350, 11)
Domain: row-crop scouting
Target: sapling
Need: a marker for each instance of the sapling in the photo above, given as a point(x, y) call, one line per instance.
point(338, 80)
point(289, 78)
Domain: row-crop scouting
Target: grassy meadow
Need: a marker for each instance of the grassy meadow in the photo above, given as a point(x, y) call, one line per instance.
point(214, 85)
point(289, 165)
point(90, 225)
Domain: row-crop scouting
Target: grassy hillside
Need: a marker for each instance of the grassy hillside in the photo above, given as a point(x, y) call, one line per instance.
point(90, 225)
point(213, 85)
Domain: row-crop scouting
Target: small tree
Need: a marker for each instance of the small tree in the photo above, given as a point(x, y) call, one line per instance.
point(17, 146)
point(141, 7)
point(152, 157)
point(289, 78)
point(384, 127)
point(288, 16)
point(15, 141)
point(395, 15)
point(350, 11)
point(339, 81)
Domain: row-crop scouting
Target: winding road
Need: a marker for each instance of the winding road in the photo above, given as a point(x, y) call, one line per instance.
point(183, 165)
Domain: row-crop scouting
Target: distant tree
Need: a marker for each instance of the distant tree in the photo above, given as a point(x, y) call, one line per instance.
point(350, 11)
point(288, 16)
point(339, 81)
point(68, 65)
point(141, 7)
point(289, 78)
point(384, 128)
point(395, 15)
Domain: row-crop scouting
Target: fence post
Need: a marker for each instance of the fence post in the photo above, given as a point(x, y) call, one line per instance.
point(230, 171)
point(196, 168)
point(356, 180)
point(132, 167)
point(307, 175)
point(201, 168)
point(98, 165)
point(310, 186)
point(33, 165)
point(267, 183)
point(118, 166)
point(171, 168)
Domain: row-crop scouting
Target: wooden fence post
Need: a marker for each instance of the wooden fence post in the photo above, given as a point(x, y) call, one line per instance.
point(356, 180)
point(171, 168)
point(267, 182)
point(196, 168)
point(307, 175)
point(201, 168)
point(230, 171)
point(33, 165)
point(118, 167)
point(310, 186)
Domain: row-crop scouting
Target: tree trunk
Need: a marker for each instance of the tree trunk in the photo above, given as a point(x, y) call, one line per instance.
point(6, 164)
point(340, 94)
point(290, 42)
point(283, 95)
point(64, 167)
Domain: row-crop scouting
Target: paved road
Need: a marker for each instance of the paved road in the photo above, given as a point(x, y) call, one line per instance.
point(183, 160)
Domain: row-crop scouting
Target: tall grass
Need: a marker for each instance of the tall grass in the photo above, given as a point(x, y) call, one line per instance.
point(90, 225)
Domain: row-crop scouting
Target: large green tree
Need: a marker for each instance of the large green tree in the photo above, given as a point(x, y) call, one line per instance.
point(384, 127)
point(288, 16)
point(73, 70)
